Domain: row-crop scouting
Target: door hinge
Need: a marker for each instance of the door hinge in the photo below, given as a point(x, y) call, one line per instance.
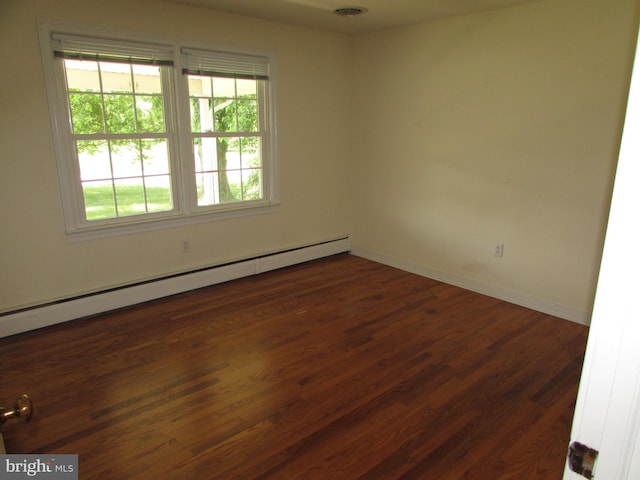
point(582, 459)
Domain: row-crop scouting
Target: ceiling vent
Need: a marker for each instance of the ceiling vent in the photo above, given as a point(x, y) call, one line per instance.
point(350, 11)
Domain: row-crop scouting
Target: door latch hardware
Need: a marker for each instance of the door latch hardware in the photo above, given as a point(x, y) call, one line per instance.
point(22, 409)
point(582, 459)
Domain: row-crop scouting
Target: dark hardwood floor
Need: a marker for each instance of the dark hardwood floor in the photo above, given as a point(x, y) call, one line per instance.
point(341, 368)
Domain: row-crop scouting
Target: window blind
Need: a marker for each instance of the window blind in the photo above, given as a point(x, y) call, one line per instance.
point(109, 50)
point(222, 64)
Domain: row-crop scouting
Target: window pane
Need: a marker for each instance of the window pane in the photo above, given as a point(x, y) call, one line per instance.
point(196, 123)
point(246, 88)
point(250, 152)
point(252, 184)
point(199, 86)
point(247, 115)
point(134, 193)
point(234, 179)
point(86, 113)
point(116, 77)
point(234, 164)
point(155, 157)
point(94, 159)
point(125, 158)
point(225, 113)
point(147, 79)
point(130, 196)
point(228, 185)
point(197, 154)
point(99, 201)
point(82, 76)
point(231, 152)
point(158, 193)
point(150, 113)
point(207, 188)
point(224, 87)
point(201, 115)
point(119, 114)
point(205, 150)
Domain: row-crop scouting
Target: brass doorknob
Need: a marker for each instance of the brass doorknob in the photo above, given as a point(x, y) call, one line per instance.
point(22, 410)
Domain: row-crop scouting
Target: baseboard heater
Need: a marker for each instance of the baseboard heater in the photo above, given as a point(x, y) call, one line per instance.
point(53, 313)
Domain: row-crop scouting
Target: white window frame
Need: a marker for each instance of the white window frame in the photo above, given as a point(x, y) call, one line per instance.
point(177, 114)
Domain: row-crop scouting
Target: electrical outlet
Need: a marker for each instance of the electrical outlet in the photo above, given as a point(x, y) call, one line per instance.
point(498, 250)
point(186, 246)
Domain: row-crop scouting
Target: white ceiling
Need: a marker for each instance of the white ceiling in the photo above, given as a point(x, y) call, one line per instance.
point(382, 14)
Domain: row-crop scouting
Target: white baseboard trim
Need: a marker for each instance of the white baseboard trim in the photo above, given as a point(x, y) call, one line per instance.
point(84, 306)
point(523, 300)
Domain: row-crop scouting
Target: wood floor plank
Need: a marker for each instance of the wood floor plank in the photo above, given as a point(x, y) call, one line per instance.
point(340, 368)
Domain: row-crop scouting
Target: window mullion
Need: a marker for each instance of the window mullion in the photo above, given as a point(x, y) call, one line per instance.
point(114, 191)
point(185, 143)
point(168, 96)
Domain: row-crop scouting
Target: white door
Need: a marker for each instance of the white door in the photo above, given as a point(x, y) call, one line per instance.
point(607, 416)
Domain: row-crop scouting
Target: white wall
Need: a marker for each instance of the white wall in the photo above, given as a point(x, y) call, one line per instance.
point(428, 144)
point(503, 127)
point(313, 87)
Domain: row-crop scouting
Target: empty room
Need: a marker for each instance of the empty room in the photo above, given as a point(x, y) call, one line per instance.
point(262, 239)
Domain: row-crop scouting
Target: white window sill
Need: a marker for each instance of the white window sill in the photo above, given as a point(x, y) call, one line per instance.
point(146, 225)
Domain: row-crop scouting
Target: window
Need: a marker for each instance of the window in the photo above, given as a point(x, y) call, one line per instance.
point(227, 125)
point(152, 134)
